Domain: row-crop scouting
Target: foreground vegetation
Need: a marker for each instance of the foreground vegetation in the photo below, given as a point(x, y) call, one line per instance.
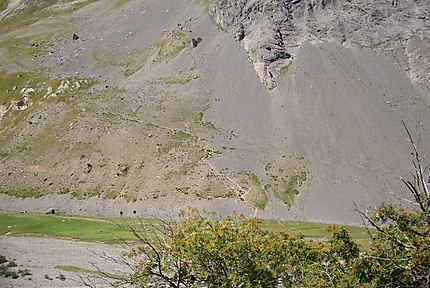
point(238, 252)
point(204, 251)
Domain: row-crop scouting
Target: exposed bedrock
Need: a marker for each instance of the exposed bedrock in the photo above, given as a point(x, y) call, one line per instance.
point(272, 31)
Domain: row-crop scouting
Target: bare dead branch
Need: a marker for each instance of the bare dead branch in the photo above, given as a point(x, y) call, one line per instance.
point(384, 232)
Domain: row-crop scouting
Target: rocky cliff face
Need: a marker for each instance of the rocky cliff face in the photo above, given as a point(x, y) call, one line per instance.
point(272, 31)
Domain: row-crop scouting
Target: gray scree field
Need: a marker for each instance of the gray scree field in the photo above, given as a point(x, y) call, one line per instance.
point(280, 109)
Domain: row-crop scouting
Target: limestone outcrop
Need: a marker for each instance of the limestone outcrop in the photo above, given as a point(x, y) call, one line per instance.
point(272, 31)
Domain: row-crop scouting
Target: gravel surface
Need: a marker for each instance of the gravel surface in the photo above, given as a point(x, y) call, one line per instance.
point(42, 256)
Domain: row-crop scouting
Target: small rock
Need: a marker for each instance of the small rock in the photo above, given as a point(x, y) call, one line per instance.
point(88, 168)
point(121, 169)
point(52, 211)
point(239, 34)
point(196, 41)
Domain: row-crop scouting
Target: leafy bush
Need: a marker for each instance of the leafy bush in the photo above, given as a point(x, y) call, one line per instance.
point(237, 252)
point(399, 255)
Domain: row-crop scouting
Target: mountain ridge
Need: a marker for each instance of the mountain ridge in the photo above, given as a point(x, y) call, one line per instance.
point(272, 31)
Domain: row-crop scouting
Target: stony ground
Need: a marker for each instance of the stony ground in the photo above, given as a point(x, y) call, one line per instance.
point(48, 259)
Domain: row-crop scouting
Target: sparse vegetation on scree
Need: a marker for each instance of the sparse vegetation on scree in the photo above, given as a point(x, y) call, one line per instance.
point(8, 268)
point(55, 125)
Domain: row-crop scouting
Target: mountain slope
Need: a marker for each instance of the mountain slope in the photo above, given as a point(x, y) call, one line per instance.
point(153, 106)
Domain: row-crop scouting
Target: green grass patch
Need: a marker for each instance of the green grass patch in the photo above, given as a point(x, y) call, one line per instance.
point(288, 190)
point(26, 92)
point(41, 144)
point(259, 196)
point(29, 192)
point(21, 50)
point(42, 89)
point(3, 4)
point(79, 270)
point(118, 58)
point(63, 227)
point(87, 193)
point(37, 10)
point(284, 70)
point(138, 60)
point(318, 231)
point(197, 120)
point(176, 80)
point(11, 84)
point(205, 3)
point(170, 46)
point(110, 194)
point(97, 229)
point(177, 140)
point(115, 6)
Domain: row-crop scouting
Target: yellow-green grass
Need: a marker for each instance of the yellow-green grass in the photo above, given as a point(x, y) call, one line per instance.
point(40, 10)
point(205, 3)
point(99, 229)
point(284, 70)
point(13, 83)
point(116, 5)
point(163, 50)
point(3, 4)
point(318, 231)
point(80, 270)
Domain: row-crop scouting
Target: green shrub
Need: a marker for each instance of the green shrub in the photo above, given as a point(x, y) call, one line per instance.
point(11, 264)
point(399, 254)
point(237, 252)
